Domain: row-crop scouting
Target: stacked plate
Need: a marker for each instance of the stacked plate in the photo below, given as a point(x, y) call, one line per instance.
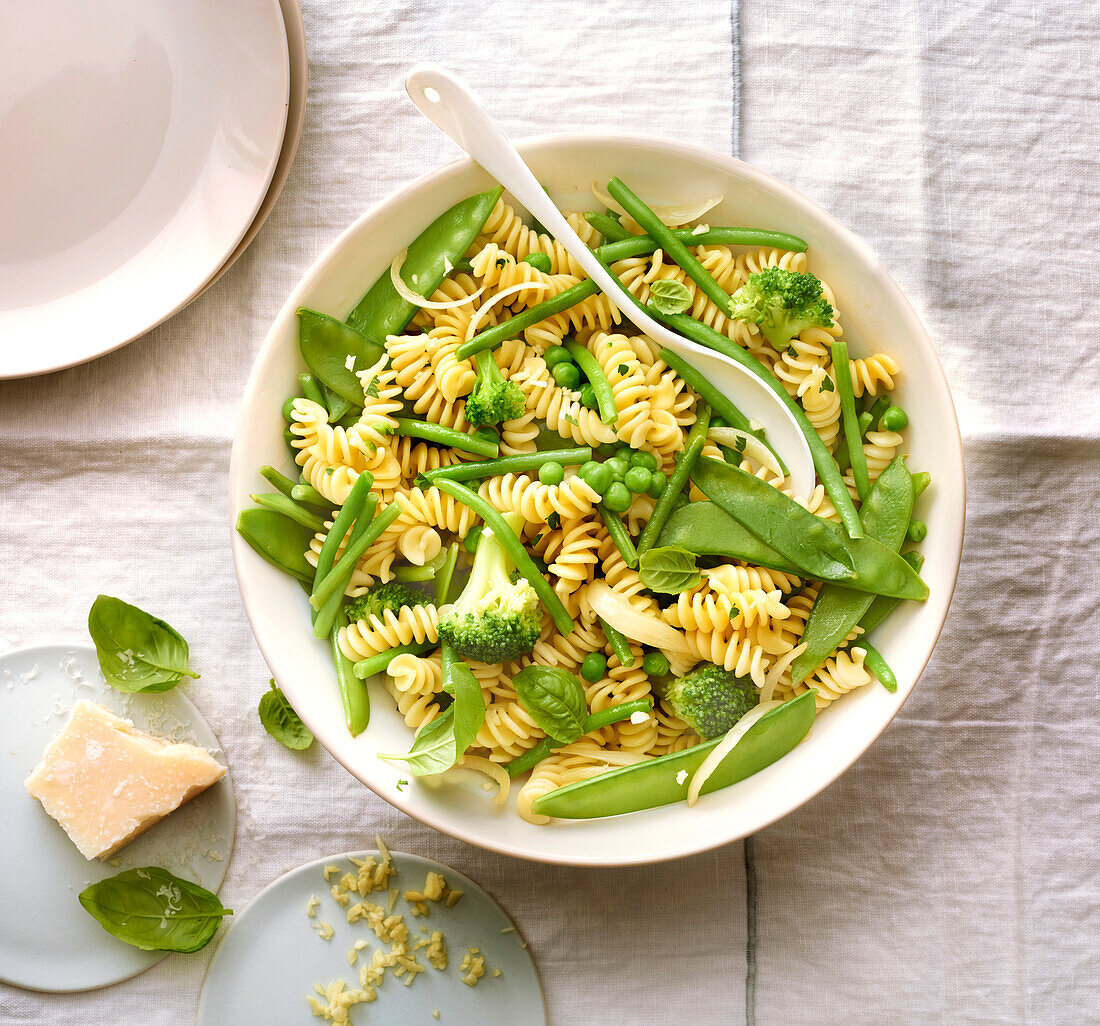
point(141, 148)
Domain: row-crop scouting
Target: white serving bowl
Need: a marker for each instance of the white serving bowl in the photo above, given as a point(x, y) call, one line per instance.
point(873, 308)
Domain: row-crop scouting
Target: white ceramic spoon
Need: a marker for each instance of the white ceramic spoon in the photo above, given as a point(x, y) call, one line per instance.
point(456, 112)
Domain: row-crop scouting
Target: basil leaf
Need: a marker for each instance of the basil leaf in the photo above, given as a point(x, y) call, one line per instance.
point(554, 699)
point(136, 651)
point(669, 569)
point(670, 296)
point(281, 721)
point(153, 910)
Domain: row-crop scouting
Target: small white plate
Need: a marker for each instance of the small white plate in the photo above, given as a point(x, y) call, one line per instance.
point(271, 957)
point(49, 942)
point(135, 150)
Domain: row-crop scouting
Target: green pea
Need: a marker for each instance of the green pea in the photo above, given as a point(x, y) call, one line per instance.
point(473, 536)
point(894, 419)
point(917, 531)
point(594, 667)
point(638, 480)
point(567, 375)
point(539, 261)
point(655, 664)
point(617, 498)
point(623, 451)
point(596, 474)
point(551, 474)
point(718, 422)
point(555, 355)
point(607, 449)
point(588, 397)
point(618, 467)
point(657, 484)
point(644, 459)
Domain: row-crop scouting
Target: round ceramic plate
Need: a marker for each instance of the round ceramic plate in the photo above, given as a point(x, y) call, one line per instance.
point(272, 957)
point(49, 942)
point(135, 152)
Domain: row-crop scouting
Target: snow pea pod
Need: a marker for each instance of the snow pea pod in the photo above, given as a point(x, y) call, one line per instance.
point(775, 519)
point(353, 691)
point(280, 540)
point(884, 605)
point(280, 481)
point(334, 351)
point(430, 258)
point(646, 785)
point(289, 508)
point(836, 610)
point(707, 530)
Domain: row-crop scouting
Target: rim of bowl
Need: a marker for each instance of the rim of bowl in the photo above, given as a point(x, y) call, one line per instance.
point(768, 182)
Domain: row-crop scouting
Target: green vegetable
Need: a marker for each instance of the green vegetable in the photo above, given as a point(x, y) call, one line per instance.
point(656, 664)
point(857, 458)
point(554, 699)
point(917, 532)
point(341, 525)
point(639, 245)
point(921, 481)
point(308, 494)
point(444, 242)
point(782, 303)
point(353, 692)
point(617, 466)
point(670, 296)
point(649, 784)
point(710, 699)
point(555, 355)
point(473, 538)
point(894, 419)
point(493, 399)
point(645, 460)
point(607, 226)
point(280, 720)
point(136, 651)
point(638, 480)
point(619, 535)
point(775, 519)
point(669, 569)
point(328, 345)
point(657, 484)
point(151, 909)
point(675, 247)
point(882, 605)
point(336, 580)
point(446, 575)
point(279, 540)
point(377, 663)
point(441, 435)
point(605, 398)
point(326, 613)
point(693, 449)
point(518, 464)
point(598, 475)
point(617, 498)
point(878, 666)
point(827, 469)
point(588, 397)
point(865, 420)
point(410, 573)
point(594, 667)
point(595, 721)
point(567, 375)
point(539, 261)
point(280, 482)
point(618, 642)
point(382, 596)
point(837, 609)
point(494, 619)
point(310, 389)
point(551, 474)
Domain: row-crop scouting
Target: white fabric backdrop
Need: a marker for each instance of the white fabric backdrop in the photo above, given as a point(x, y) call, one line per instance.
point(952, 874)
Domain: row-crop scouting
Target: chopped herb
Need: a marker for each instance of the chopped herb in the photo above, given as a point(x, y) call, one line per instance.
point(827, 384)
point(554, 521)
point(623, 369)
point(372, 388)
point(401, 784)
point(739, 445)
point(569, 418)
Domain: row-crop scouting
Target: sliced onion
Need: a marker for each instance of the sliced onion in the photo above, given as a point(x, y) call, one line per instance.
point(493, 770)
point(753, 447)
point(523, 286)
point(409, 296)
point(776, 671)
point(645, 628)
point(725, 746)
point(673, 214)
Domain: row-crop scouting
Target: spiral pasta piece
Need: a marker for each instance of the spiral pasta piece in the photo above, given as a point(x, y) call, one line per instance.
point(419, 544)
point(821, 400)
point(416, 675)
point(833, 679)
point(508, 730)
point(567, 651)
point(624, 374)
point(417, 710)
point(506, 229)
point(434, 508)
point(879, 448)
point(498, 269)
point(578, 554)
point(573, 499)
point(376, 634)
point(560, 408)
point(870, 373)
point(519, 435)
point(730, 650)
point(732, 578)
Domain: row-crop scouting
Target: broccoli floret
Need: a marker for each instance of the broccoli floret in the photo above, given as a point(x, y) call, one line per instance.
point(783, 303)
point(710, 699)
point(493, 399)
point(495, 618)
point(380, 597)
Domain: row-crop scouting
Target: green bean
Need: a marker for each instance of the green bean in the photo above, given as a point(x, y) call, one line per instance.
point(310, 496)
point(894, 419)
point(837, 609)
point(446, 575)
point(618, 642)
point(668, 241)
point(341, 524)
point(325, 616)
point(279, 481)
point(310, 390)
point(866, 419)
point(289, 508)
point(605, 398)
point(856, 456)
point(639, 245)
point(921, 480)
point(884, 605)
point(917, 532)
point(382, 311)
point(665, 779)
point(280, 541)
point(518, 464)
point(878, 666)
point(380, 661)
point(353, 692)
point(341, 571)
point(594, 721)
point(608, 227)
point(408, 573)
point(446, 436)
point(693, 449)
point(290, 438)
point(328, 346)
point(514, 547)
point(619, 535)
point(775, 519)
point(288, 408)
point(823, 459)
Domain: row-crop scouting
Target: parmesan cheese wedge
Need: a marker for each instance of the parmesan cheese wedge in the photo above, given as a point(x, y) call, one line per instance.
point(105, 781)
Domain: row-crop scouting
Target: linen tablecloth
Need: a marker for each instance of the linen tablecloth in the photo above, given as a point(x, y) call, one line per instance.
point(951, 875)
